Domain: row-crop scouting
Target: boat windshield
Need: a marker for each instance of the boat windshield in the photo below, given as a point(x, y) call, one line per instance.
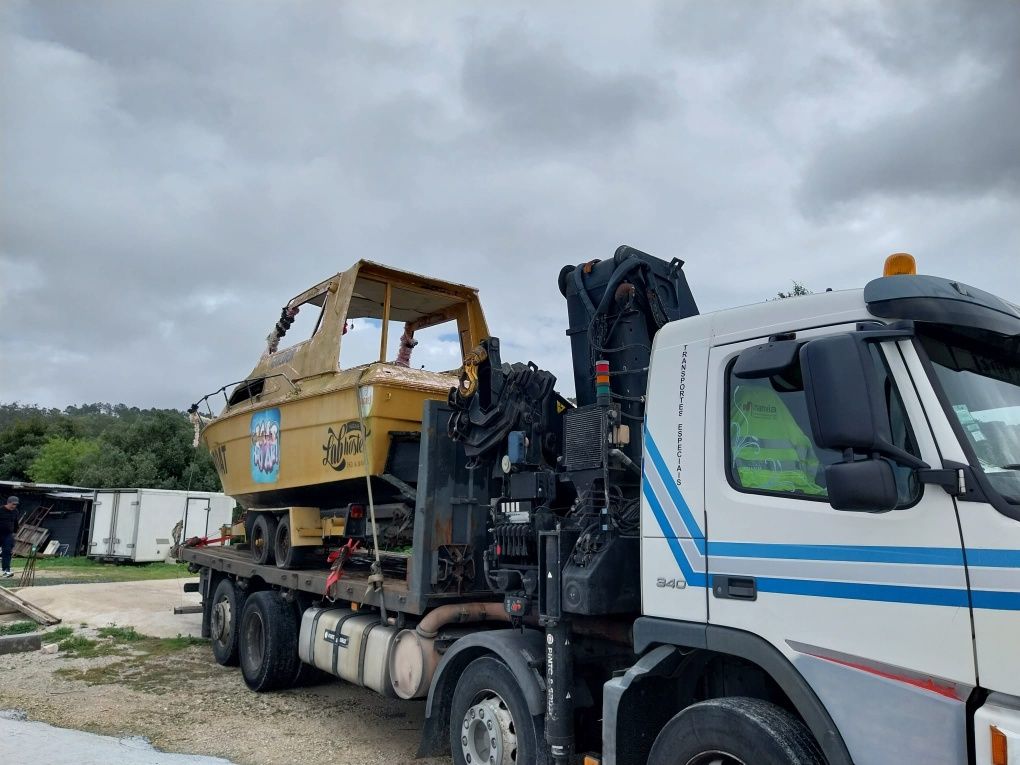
point(980, 376)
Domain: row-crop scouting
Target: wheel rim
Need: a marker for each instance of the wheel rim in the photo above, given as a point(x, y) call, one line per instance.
point(254, 635)
point(488, 735)
point(258, 539)
point(222, 619)
point(715, 758)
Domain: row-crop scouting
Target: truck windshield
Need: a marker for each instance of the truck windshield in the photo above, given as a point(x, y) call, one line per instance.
point(980, 376)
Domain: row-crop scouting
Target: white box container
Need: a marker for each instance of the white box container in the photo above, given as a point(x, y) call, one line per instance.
point(136, 525)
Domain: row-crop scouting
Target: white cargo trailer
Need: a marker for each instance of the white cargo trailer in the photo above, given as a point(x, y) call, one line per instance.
point(136, 525)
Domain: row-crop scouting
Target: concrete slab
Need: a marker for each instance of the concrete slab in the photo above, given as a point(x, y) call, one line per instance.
point(31, 641)
point(148, 606)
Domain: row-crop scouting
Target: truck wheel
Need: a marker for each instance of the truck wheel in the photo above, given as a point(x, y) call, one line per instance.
point(263, 533)
point(267, 642)
point(490, 723)
point(287, 556)
point(735, 731)
point(224, 616)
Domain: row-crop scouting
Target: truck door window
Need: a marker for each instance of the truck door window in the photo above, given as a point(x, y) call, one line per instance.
point(770, 448)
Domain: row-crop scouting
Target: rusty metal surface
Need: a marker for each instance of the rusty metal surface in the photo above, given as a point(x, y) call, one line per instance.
point(406, 377)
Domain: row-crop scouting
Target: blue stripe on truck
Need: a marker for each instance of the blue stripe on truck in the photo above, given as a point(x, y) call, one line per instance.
point(925, 556)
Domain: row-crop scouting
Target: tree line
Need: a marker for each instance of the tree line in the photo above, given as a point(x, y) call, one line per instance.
point(103, 446)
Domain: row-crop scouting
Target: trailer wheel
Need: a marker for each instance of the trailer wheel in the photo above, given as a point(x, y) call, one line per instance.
point(224, 617)
point(735, 731)
point(490, 723)
point(263, 533)
point(287, 555)
point(267, 642)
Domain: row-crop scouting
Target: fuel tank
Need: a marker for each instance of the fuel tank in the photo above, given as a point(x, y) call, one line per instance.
point(354, 647)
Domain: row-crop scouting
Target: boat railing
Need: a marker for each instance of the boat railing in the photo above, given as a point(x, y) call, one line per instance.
point(248, 383)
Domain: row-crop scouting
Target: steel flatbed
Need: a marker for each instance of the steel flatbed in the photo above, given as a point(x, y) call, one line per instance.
point(353, 586)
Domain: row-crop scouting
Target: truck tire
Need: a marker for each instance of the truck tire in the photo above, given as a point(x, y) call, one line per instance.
point(735, 731)
point(286, 554)
point(306, 674)
point(490, 722)
point(224, 617)
point(263, 534)
point(267, 642)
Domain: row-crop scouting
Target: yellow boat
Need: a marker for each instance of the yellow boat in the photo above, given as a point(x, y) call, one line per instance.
point(310, 418)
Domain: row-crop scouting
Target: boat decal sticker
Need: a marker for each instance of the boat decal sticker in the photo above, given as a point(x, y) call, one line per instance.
point(343, 444)
point(265, 446)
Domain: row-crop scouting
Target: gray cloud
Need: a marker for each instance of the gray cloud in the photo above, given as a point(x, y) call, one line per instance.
point(957, 140)
point(535, 94)
point(172, 172)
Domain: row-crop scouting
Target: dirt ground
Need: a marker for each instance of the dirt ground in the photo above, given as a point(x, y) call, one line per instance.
point(182, 701)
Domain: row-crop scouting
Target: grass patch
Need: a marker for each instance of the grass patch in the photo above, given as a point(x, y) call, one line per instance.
point(77, 645)
point(60, 633)
point(113, 641)
point(86, 570)
point(144, 665)
point(164, 646)
point(18, 628)
point(81, 647)
point(67, 562)
point(120, 634)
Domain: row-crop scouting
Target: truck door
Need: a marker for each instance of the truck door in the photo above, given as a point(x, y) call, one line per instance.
point(101, 531)
point(125, 524)
point(871, 608)
point(196, 517)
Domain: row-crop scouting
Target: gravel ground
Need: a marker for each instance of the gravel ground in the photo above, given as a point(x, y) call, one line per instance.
point(185, 702)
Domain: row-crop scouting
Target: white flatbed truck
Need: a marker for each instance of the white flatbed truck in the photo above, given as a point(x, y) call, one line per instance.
point(789, 533)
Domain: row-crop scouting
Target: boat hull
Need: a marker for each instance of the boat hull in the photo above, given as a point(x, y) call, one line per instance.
point(307, 449)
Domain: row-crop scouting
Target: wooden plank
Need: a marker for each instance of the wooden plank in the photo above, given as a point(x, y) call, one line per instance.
point(29, 536)
point(22, 605)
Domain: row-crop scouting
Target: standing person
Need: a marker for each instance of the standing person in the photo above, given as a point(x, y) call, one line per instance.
point(8, 528)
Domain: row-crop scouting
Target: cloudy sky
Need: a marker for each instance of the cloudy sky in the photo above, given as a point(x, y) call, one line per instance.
point(171, 173)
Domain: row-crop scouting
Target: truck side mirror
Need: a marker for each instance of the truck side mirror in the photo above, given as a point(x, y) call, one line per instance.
point(845, 402)
point(864, 485)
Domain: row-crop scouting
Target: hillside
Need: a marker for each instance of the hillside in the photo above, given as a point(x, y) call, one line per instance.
point(103, 445)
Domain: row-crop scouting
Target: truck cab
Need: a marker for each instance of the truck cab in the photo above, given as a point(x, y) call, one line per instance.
point(831, 487)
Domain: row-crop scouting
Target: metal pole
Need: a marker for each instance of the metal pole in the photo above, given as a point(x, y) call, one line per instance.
point(385, 321)
point(376, 578)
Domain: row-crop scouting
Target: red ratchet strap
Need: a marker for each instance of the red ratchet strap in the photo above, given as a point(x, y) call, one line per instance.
point(204, 541)
point(338, 558)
